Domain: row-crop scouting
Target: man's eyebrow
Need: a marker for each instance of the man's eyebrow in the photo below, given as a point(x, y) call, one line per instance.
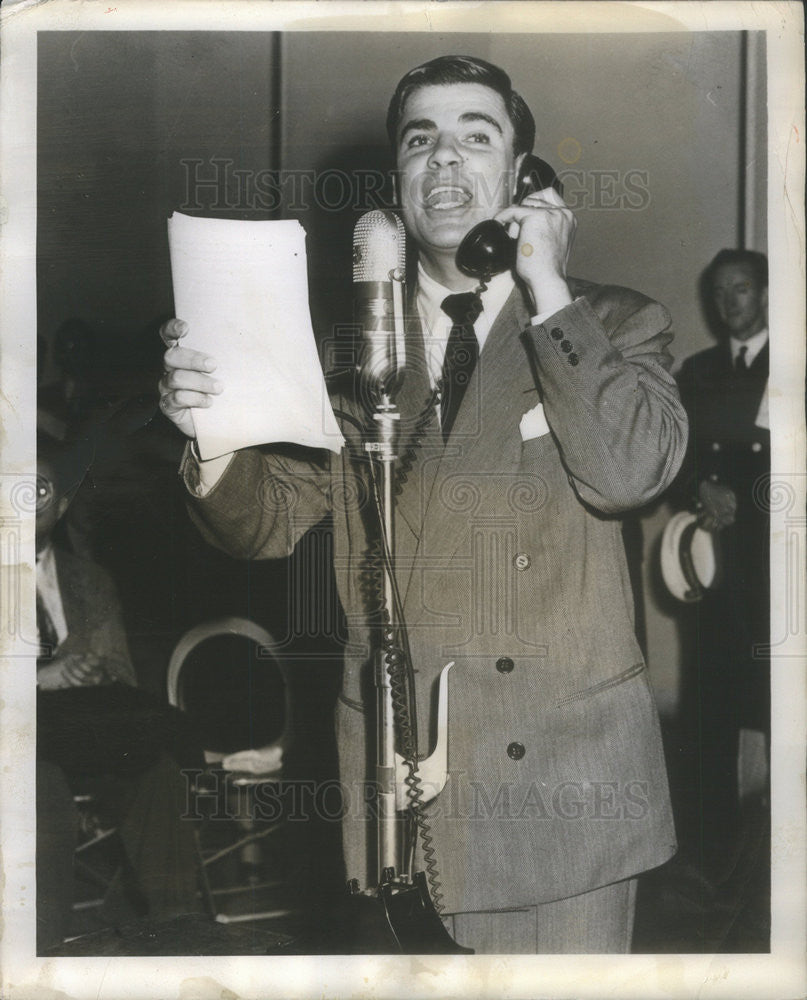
point(480, 116)
point(427, 125)
point(418, 125)
point(737, 283)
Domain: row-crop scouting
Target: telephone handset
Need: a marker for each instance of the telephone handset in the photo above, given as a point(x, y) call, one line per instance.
point(487, 249)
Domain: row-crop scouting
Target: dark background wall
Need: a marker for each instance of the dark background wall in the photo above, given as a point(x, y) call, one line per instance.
point(118, 112)
point(133, 125)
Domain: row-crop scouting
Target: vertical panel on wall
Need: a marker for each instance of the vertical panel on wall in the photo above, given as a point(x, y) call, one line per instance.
point(645, 129)
point(132, 125)
point(754, 155)
point(95, 181)
point(217, 114)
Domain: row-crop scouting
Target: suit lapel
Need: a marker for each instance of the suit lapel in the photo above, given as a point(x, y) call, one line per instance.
point(761, 363)
point(484, 439)
point(420, 441)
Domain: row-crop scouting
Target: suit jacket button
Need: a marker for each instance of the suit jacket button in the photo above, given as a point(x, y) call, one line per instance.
point(556, 333)
point(573, 359)
point(504, 664)
point(565, 346)
point(756, 446)
point(715, 446)
point(516, 751)
point(521, 561)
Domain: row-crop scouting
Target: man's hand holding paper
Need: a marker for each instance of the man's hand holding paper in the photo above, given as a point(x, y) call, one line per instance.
point(186, 383)
point(242, 292)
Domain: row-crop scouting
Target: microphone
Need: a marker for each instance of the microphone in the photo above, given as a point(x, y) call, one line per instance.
point(379, 260)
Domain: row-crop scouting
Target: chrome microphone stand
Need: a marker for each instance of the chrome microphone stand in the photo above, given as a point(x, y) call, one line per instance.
point(383, 452)
point(398, 914)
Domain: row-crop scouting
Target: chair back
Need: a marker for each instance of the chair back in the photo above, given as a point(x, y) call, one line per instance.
point(238, 692)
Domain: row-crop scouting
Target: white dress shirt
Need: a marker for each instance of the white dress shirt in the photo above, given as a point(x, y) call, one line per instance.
point(436, 324)
point(47, 586)
point(754, 345)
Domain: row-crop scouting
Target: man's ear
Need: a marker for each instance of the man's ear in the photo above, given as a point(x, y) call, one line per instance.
point(764, 298)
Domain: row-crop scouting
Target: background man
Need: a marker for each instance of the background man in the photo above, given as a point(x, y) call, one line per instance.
point(557, 793)
point(95, 732)
point(724, 390)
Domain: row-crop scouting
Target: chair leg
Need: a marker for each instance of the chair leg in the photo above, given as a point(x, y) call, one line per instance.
point(207, 889)
point(246, 847)
point(109, 874)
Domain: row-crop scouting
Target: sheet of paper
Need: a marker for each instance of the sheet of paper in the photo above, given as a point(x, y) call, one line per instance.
point(242, 287)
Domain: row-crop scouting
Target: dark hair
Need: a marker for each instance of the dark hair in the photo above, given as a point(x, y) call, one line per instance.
point(757, 262)
point(464, 69)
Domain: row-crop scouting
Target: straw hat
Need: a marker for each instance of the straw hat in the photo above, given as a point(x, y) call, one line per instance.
point(689, 557)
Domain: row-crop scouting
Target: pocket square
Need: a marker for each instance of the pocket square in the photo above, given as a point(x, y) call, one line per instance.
point(533, 423)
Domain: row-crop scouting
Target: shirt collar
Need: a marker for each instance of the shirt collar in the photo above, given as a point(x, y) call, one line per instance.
point(46, 560)
point(431, 294)
point(754, 345)
point(48, 590)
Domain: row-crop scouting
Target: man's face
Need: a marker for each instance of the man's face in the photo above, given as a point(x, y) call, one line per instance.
point(455, 161)
point(740, 303)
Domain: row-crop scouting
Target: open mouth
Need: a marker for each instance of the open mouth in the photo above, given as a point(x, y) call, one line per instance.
point(447, 196)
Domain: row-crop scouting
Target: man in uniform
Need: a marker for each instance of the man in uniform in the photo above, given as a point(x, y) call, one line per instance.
point(724, 390)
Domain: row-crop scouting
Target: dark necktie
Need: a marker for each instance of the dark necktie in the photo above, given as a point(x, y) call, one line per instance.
point(462, 352)
point(48, 639)
point(741, 365)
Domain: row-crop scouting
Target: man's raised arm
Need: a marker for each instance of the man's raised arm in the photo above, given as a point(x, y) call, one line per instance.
point(603, 365)
point(252, 503)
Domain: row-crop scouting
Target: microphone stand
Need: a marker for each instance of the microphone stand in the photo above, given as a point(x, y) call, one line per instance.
point(383, 452)
point(383, 383)
point(398, 915)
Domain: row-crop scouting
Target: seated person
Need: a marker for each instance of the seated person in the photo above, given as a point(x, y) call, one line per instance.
point(95, 729)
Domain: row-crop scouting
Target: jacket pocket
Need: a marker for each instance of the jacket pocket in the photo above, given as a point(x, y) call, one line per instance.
point(357, 706)
point(598, 688)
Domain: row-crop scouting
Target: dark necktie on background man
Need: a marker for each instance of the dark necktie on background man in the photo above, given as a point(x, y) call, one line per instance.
point(462, 353)
point(741, 365)
point(48, 639)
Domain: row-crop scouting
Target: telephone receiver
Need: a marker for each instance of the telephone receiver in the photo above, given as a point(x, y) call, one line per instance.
point(487, 249)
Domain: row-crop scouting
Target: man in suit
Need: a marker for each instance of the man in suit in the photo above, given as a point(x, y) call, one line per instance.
point(508, 543)
point(95, 732)
point(724, 390)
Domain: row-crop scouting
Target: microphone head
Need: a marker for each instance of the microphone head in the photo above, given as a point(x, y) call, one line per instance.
point(379, 246)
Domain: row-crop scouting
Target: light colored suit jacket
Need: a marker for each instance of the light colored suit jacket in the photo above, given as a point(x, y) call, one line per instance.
point(510, 562)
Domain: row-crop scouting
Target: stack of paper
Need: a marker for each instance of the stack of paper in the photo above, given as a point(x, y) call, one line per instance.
point(242, 288)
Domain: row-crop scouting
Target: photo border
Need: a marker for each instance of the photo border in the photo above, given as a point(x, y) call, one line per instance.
point(779, 974)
